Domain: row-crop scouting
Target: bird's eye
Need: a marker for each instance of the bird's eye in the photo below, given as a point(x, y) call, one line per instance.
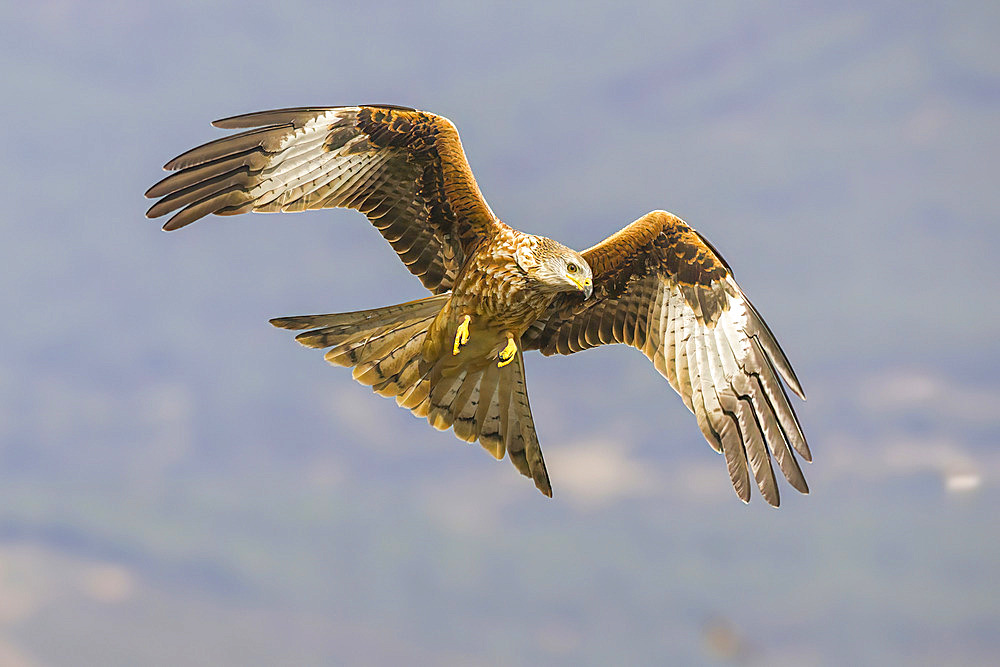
point(571, 267)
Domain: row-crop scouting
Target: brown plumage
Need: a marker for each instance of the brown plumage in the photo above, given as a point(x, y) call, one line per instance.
point(455, 357)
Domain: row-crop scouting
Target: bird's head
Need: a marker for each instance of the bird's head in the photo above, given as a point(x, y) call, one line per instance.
point(557, 267)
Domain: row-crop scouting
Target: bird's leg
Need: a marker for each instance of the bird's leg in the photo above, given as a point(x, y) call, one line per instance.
point(507, 354)
point(462, 335)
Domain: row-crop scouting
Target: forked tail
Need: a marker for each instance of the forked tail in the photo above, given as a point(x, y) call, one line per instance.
point(479, 401)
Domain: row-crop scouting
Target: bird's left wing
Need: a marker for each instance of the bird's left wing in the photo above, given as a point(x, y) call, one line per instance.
point(661, 288)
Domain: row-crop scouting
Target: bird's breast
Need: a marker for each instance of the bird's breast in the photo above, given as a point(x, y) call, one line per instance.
point(494, 288)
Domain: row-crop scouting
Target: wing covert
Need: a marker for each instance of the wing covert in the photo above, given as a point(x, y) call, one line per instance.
point(404, 169)
point(663, 289)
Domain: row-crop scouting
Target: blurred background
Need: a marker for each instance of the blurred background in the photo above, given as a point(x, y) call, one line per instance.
point(182, 484)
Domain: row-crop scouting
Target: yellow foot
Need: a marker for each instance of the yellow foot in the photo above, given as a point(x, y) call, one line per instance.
point(462, 335)
point(507, 354)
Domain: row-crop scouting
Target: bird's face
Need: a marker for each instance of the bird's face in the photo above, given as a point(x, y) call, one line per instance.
point(565, 271)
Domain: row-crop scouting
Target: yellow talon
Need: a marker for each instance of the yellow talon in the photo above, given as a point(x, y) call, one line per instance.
point(462, 335)
point(507, 354)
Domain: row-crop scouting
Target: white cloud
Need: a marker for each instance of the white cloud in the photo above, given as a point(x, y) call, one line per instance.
point(906, 455)
point(108, 583)
point(363, 419)
point(903, 391)
point(962, 482)
point(475, 500)
point(597, 472)
point(12, 656)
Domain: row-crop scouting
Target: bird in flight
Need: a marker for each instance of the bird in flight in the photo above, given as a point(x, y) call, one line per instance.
point(455, 357)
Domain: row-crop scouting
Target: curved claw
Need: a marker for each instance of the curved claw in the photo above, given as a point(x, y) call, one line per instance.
point(507, 354)
point(462, 335)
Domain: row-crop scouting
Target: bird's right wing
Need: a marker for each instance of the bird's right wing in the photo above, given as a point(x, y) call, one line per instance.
point(404, 169)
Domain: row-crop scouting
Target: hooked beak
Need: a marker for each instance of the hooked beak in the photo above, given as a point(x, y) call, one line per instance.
point(586, 286)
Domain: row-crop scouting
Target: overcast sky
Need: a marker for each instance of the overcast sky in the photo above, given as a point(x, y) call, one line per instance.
point(165, 454)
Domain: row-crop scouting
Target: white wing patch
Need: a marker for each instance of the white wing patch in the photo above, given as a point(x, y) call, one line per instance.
point(303, 173)
point(725, 372)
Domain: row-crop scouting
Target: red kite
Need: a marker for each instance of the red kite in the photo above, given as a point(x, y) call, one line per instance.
point(456, 357)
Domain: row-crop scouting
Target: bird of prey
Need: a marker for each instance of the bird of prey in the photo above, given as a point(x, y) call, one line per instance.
point(455, 357)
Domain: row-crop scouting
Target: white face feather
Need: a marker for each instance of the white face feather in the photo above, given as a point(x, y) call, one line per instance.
point(565, 272)
point(555, 267)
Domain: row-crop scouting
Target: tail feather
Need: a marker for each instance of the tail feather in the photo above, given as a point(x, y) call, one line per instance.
point(464, 409)
point(479, 401)
point(366, 318)
point(442, 394)
point(415, 399)
point(364, 349)
point(522, 444)
point(385, 358)
point(406, 373)
point(487, 412)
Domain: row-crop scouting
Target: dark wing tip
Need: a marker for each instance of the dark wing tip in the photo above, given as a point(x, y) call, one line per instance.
point(774, 352)
point(289, 114)
point(175, 223)
point(743, 493)
point(396, 107)
point(183, 218)
point(296, 323)
point(788, 375)
point(269, 117)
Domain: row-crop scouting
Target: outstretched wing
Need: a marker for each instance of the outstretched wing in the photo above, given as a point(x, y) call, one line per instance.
point(661, 288)
point(404, 169)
